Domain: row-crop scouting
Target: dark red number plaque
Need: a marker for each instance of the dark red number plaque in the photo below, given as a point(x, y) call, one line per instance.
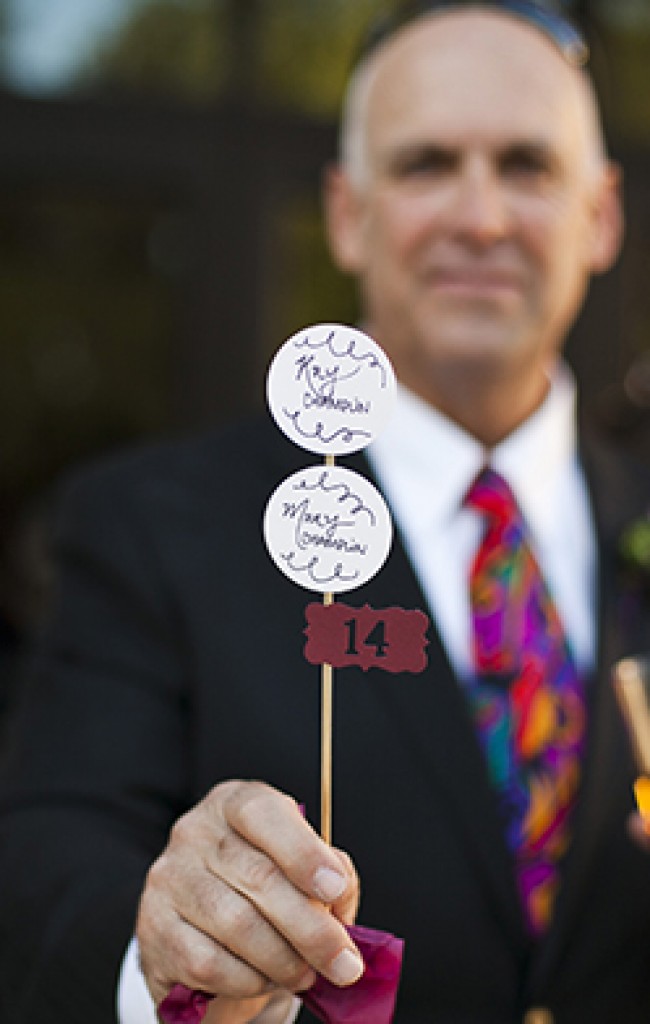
point(391, 639)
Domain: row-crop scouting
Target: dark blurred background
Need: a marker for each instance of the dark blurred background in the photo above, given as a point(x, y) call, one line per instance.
point(159, 176)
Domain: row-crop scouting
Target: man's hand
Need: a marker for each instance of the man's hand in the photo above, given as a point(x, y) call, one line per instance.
point(246, 900)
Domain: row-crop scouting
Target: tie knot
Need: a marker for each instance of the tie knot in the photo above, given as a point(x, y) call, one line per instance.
point(491, 495)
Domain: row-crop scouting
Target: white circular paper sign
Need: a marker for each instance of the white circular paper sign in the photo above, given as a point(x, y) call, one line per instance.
point(328, 529)
point(331, 389)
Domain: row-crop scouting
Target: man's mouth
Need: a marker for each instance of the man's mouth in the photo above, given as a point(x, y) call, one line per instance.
point(475, 283)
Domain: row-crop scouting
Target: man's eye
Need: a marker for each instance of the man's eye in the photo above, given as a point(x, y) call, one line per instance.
point(425, 164)
point(528, 164)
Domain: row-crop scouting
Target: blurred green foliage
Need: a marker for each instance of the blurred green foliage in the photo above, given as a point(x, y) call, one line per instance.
point(289, 52)
point(166, 46)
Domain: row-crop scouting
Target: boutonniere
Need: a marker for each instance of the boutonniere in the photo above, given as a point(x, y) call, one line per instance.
point(634, 552)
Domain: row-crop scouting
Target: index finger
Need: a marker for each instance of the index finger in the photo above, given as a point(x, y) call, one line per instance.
point(273, 823)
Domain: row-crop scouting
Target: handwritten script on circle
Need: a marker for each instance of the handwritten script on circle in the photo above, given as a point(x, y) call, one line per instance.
point(328, 529)
point(331, 389)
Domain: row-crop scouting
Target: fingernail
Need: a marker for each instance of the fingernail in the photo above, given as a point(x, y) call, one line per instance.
point(328, 884)
point(346, 968)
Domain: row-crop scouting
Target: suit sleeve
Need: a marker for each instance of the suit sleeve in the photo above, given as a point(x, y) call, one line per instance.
point(94, 766)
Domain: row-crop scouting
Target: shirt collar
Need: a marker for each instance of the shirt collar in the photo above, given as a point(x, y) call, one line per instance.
point(537, 457)
point(426, 462)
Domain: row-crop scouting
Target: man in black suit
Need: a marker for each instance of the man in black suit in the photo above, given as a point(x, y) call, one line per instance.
point(473, 202)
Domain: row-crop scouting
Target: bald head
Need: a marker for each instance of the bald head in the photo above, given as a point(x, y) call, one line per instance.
point(473, 207)
point(474, 43)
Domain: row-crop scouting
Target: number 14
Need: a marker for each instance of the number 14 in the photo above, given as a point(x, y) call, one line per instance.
point(376, 638)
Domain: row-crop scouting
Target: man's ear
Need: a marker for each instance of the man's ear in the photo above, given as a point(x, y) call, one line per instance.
point(343, 220)
point(609, 220)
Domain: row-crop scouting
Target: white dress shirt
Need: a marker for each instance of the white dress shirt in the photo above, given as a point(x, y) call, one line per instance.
point(425, 465)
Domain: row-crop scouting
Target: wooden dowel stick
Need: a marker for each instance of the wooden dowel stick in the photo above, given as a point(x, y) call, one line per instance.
point(326, 746)
point(327, 696)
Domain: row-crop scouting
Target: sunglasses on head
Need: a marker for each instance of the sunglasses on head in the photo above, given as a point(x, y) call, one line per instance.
point(547, 16)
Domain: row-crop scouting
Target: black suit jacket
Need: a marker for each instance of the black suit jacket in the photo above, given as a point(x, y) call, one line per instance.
point(172, 659)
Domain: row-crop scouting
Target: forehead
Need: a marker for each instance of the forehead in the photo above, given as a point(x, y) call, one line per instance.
point(476, 75)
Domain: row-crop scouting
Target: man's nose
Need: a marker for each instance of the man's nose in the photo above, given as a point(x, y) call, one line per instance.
point(480, 215)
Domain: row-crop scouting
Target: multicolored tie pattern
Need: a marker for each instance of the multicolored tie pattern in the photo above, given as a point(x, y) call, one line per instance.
point(527, 700)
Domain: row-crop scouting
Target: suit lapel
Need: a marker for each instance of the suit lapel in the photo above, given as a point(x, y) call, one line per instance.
point(618, 497)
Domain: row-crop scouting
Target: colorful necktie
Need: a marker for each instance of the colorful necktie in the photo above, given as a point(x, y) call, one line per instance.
point(527, 699)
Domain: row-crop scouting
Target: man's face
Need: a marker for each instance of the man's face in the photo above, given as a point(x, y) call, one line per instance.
point(483, 208)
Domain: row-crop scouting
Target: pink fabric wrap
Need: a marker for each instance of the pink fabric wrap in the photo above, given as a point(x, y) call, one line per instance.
point(371, 1000)
point(182, 1006)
